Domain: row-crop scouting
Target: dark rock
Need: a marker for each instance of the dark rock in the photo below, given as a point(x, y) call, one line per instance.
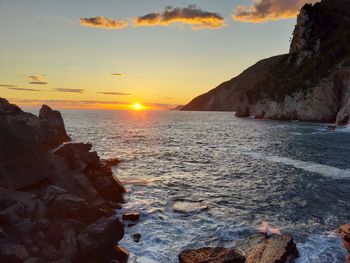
point(7, 108)
point(120, 254)
point(136, 237)
point(67, 206)
point(111, 162)
point(32, 260)
point(24, 143)
point(97, 240)
point(208, 254)
point(49, 253)
point(52, 125)
point(68, 244)
point(52, 191)
point(276, 248)
point(110, 188)
point(344, 232)
point(131, 216)
point(13, 253)
point(41, 224)
point(75, 153)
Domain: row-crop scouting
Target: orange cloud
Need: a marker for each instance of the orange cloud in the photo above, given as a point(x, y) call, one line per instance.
point(190, 15)
point(269, 10)
point(103, 22)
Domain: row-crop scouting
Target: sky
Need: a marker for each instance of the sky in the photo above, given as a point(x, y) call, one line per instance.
point(114, 53)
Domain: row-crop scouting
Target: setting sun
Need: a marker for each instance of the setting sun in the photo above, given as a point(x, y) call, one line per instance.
point(137, 106)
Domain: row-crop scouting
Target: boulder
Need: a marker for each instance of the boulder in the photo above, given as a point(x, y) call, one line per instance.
point(97, 240)
point(262, 249)
point(120, 254)
point(110, 188)
point(209, 254)
point(136, 237)
point(131, 216)
point(52, 127)
point(13, 253)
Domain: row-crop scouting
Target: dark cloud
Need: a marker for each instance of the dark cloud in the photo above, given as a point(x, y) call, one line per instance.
point(118, 74)
point(269, 10)
point(69, 90)
point(23, 89)
point(7, 86)
point(38, 79)
point(190, 15)
point(103, 22)
point(115, 93)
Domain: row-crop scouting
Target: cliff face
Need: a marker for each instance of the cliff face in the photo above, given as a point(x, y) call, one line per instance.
point(310, 83)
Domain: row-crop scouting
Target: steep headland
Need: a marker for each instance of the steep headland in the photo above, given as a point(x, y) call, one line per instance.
point(310, 83)
point(58, 200)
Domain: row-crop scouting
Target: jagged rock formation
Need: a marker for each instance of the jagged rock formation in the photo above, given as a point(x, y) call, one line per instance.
point(57, 201)
point(311, 83)
point(254, 249)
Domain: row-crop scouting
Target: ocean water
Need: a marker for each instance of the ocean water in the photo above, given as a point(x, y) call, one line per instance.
point(210, 179)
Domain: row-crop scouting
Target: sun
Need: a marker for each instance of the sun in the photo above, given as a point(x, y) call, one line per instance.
point(137, 106)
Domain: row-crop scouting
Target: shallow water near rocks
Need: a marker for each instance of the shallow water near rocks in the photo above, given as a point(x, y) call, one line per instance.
point(294, 175)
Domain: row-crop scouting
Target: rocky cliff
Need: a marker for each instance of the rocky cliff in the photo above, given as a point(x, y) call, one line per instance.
point(58, 200)
point(310, 83)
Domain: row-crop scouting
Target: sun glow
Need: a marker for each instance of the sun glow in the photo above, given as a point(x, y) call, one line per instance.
point(137, 106)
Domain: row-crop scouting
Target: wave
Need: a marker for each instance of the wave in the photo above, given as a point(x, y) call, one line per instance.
point(322, 169)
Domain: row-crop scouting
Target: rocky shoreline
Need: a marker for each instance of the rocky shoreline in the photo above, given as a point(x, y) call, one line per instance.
point(310, 83)
point(59, 202)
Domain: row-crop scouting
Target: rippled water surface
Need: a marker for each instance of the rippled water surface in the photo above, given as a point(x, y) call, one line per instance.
point(226, 176)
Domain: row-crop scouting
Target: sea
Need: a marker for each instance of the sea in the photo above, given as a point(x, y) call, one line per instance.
point(210, 179)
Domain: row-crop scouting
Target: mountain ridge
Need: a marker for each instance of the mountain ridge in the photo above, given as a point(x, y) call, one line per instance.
point(310, 83)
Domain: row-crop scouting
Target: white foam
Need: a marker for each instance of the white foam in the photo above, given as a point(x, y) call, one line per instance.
point(325, 170)
point(321, 249)
point(344, 129)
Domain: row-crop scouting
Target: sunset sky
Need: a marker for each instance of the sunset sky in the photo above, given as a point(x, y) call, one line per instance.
point(113, 53)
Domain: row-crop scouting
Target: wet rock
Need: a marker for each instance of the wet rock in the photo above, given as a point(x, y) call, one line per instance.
point(208, 254)
point(136, 237)
point(110, 188)
point(131, 216)
point(344, 232)
point(13, 253)
point(276, 248)
point(111, 162)
point(120, 254)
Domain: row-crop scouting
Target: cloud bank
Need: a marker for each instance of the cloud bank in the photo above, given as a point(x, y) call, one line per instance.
point(269, 10)
point(190, 15)
point(103, 22)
